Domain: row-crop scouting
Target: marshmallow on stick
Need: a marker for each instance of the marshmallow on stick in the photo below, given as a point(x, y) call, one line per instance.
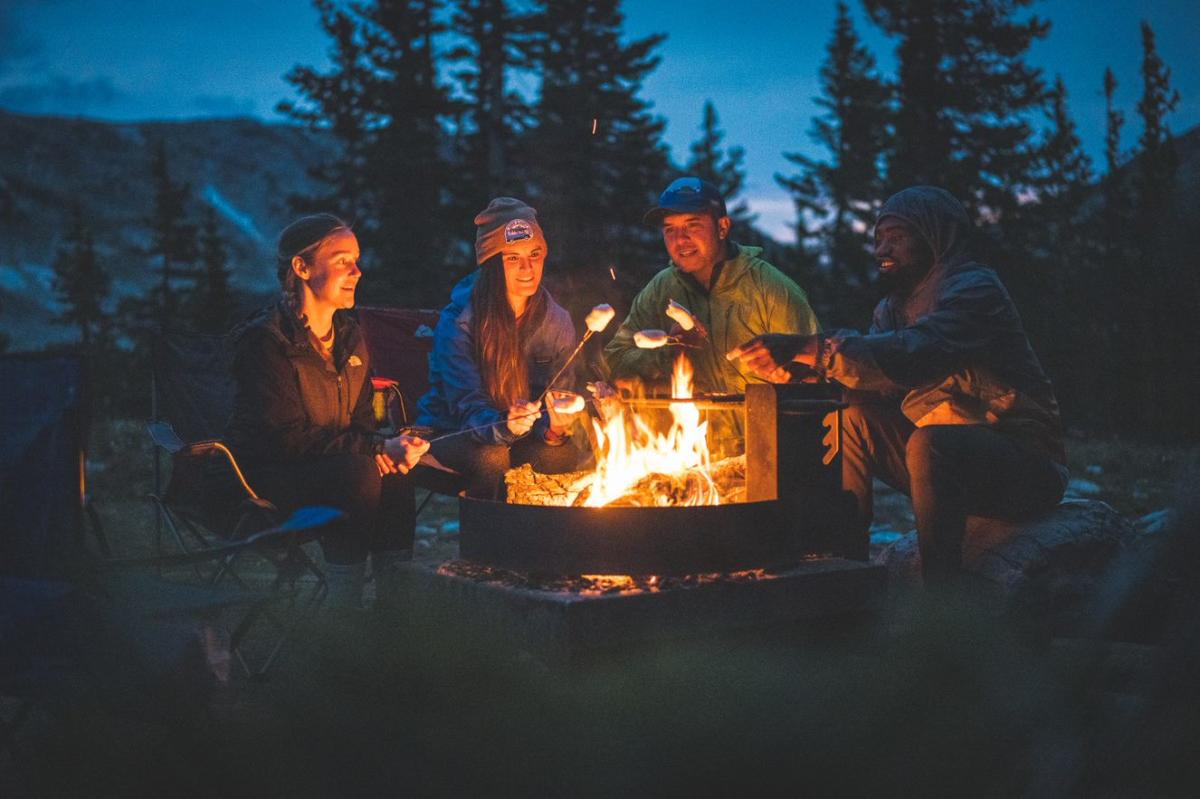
point(651, 339)
point(681, 315)
point(599, 317)
point(566, 402)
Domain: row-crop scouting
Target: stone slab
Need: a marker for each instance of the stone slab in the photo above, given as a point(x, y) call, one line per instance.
point(561, 627)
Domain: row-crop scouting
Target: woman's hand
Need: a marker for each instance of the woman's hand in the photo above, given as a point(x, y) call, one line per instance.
point(401, 453)
point(522, 415)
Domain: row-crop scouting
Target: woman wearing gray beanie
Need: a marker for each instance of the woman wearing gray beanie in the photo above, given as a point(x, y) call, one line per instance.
point(497, 343)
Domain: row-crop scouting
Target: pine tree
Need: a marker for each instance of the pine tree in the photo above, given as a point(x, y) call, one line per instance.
point(843, 192)
point(964, 98)
point(385, 102)
point(1058, 295)
point(81, 284)
point(214, 300)
point(1170, 290)
point(600, 158)
point(336, 102)
point(723, 167)
point(496, 45)
point(172, 240)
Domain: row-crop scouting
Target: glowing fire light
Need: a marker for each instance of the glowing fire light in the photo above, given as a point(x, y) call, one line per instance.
point(629, 449)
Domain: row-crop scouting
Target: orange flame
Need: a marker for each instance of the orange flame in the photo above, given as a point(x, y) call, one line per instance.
point(629, 449)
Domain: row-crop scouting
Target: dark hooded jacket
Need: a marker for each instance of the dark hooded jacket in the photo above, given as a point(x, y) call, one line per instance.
point(289, 402)
point(953, 344)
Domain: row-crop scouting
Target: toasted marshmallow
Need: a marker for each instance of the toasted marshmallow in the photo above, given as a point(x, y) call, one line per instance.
point(681, 315)
point(651, 339)
point(566, 402)
point(599, 317)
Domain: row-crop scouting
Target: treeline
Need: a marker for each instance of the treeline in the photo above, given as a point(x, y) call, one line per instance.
point(1102, 266)
point(437, 106)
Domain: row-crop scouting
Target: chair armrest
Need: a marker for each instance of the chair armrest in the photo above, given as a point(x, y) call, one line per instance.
point(198, 448)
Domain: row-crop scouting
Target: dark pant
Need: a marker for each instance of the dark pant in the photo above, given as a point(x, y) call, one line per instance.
point(380, 508)
point(949, 471)
point(484, 465)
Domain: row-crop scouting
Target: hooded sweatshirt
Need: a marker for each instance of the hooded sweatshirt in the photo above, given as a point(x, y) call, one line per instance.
point(457, 398)
point(953, 343)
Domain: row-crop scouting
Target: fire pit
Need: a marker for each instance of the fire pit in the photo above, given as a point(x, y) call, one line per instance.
point(656, 504)
point(625, 540)
point(614, 558)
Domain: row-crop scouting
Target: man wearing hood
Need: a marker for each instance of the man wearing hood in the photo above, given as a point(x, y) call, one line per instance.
point(957, 412)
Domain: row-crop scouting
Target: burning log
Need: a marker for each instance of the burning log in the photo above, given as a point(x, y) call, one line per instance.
point(724, 483)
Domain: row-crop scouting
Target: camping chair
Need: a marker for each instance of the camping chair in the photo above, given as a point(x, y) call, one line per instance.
point(400, 340)
point(206, 501)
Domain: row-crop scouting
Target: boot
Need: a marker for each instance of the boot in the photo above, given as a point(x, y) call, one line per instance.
point(345, 581)
point(389, 568)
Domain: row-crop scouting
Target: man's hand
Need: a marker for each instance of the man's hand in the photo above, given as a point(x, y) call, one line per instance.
point(401, 453)
point(522, 415)
point(608, 401)
point(768, 355)
point(696, 337)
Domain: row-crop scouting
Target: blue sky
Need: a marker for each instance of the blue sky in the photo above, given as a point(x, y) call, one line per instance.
point(756, 59)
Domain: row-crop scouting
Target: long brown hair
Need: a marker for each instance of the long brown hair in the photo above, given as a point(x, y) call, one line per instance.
point(498, 334)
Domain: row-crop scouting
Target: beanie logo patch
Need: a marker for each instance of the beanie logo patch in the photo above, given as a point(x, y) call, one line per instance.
point(517, 230)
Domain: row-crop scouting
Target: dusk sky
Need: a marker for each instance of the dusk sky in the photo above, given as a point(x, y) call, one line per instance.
point(757, 61)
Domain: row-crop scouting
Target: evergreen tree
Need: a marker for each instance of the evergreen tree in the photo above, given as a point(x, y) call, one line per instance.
point(384, 101)
point(172, 240)
point(722, 167)
point(81, 284)
point(964, 98)
point(1058, 295)
point(1169, 287)
point(336, 102)
point(213, 299)
point(843, 192)
point(496, 44)
point(600, 161)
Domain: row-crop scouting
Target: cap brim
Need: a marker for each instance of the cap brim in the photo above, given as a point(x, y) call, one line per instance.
point(655, 215)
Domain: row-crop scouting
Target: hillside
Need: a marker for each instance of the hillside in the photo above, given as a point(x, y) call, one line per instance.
point(243, 168)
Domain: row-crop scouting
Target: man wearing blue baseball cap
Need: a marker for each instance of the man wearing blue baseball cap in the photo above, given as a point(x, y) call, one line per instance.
point(732, 293)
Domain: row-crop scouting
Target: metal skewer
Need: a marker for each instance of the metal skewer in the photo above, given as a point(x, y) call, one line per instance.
point(566, 363)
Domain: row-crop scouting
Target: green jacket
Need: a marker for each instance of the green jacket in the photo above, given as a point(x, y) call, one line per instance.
point(750, 297)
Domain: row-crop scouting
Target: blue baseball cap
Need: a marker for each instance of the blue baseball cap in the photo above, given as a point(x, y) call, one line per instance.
point(687, 195)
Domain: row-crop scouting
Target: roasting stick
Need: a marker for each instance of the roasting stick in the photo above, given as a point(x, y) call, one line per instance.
point(538, 412)
point(597, 320)
point(444, 436)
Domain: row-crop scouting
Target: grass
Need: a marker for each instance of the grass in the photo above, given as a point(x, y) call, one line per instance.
point(956, 704)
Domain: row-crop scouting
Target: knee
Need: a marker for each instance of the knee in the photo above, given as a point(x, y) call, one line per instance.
point(357, 478)
point(931, 448)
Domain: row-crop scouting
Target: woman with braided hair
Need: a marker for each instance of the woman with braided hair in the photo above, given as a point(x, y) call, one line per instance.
point(302, 424)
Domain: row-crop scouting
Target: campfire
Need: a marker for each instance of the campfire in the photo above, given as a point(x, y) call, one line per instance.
point(641, 464)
